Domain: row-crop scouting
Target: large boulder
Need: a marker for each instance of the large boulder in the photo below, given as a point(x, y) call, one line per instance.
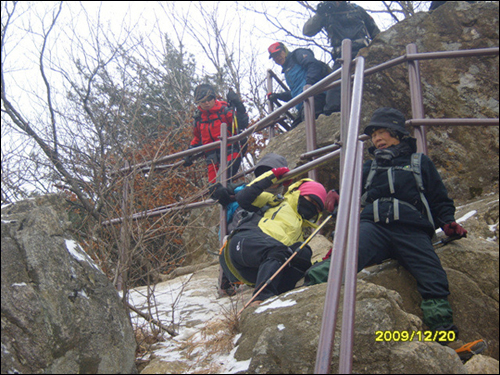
point(282, 335)
point(467, 157)
point(60, 313)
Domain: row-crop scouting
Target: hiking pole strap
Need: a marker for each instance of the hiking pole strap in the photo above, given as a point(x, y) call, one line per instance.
point(286, 263)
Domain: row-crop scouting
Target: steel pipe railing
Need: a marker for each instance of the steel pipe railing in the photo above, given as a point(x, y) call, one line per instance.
point(417, 99)
point(342, 235)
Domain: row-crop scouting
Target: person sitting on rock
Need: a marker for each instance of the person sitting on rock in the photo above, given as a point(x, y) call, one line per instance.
point(271, 232)
point(404, 201)
point(226, 197)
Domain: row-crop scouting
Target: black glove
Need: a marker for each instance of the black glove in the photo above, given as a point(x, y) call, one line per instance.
point(302, 260)
point(222, 194)
point(233, 99)
point(284, 96)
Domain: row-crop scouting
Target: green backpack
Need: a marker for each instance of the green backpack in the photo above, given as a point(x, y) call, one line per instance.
point(317, 273)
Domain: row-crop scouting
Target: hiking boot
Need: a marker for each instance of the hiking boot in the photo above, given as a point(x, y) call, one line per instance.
point(231, 290)
point(466, 351)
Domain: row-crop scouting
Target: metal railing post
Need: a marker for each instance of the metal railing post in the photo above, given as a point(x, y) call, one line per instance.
point(417, 103)
point(223, 165)
point(270, 105)
point(327, 332)
point(351, 270)
point(345, 98)
point(310, 120)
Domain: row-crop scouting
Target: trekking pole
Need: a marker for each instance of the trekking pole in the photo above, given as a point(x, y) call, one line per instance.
point(446, 241)
point(285, 264)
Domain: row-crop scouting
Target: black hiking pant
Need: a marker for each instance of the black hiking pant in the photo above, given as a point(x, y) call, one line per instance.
point(257, 257)
point(411, 247)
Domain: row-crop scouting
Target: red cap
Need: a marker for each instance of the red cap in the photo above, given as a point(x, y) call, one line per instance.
point(276, 47)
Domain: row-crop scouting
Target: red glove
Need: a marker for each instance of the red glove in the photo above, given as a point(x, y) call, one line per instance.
point(328, 254)
point(332, 199)
point(454, 229)
point(279, 172)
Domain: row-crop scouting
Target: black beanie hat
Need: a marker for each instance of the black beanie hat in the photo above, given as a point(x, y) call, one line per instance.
point(389, 118)
point(203, 92)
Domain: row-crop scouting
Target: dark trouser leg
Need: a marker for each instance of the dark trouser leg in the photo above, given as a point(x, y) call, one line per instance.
point(234, 162)
point(332, 101)
point(374, 244)
point(319, 104)
point(295, 270)
point(414, 251)
point(257, 257)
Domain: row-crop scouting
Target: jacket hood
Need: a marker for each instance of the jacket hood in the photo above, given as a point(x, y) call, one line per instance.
point(268, 162)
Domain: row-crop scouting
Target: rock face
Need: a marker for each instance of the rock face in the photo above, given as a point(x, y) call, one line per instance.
point(466, 157)
point(282, 334)
point(289, 340)
point(452, 88)
point(60, 313)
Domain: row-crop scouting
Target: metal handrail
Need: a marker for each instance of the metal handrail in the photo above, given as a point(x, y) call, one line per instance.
point(343, 234)
point(346, 238)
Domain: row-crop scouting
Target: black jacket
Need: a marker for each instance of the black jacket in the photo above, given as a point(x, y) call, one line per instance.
point(406, 190)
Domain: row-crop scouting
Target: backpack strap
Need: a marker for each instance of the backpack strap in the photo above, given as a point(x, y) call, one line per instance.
point(416, 168)
point(416, 165)
point(369, 178)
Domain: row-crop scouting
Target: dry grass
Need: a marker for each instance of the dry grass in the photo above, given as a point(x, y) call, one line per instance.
point(145, 340)
point(214, 339)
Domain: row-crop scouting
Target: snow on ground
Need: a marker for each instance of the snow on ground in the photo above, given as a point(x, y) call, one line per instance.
point(191, 303)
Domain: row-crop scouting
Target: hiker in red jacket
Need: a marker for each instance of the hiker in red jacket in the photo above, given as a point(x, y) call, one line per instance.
point(207, 125)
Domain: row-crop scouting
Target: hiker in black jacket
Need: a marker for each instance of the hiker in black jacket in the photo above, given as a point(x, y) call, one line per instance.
point(399, 219)
point(341, 20)
point(226, 197)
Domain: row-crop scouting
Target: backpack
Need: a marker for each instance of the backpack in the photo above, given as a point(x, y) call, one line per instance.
point(416, 168)
point(317, 273)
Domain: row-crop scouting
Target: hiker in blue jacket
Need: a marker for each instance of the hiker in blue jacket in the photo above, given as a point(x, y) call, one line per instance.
point(401, 212)
point(301, 69)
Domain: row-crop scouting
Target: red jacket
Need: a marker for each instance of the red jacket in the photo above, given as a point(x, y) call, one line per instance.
point(207, 126)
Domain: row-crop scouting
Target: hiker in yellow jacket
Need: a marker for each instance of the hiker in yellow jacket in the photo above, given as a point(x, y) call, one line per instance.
point(269, 234)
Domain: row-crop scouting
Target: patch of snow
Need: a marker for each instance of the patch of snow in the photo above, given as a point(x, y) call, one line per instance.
point(275, 305)
point(19, 284)
point(467, 216)
point(79, 254)
point(190, 304)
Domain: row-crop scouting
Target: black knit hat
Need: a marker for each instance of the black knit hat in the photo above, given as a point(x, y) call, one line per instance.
point(203, 92)
point(389, 118)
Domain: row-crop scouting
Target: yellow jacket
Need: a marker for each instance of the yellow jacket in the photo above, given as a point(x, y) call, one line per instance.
point(281, 219)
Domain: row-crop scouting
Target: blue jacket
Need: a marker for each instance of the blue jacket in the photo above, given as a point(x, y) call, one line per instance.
point(302, 68)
